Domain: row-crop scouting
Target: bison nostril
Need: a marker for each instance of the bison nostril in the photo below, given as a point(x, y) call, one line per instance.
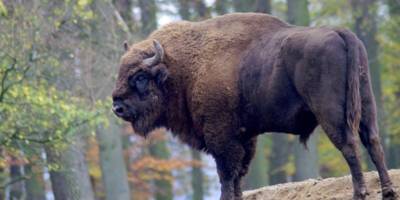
point(118, 109)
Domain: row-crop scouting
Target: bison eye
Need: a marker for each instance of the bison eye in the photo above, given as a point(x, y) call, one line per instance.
point(140, 83)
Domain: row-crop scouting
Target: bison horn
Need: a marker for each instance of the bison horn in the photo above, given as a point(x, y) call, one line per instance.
point(158, 56)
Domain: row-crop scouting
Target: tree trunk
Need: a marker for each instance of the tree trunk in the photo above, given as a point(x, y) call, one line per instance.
point(17, 187)
point(201, 10)
point(184, 9)
point(298, 12)
point(279, 158)
point(2, 182)
point(263, 6)
point(34, 184)
point(163, 188)
point(112, 164)
point(257, 175)
point(124, 7)
point(306, 161)
point(394, 8)
point(71, 181)
point(244, 5)
point(221, 7)
point(197, 177)
point(148, 13)
point(113, 168)
point(365, 26)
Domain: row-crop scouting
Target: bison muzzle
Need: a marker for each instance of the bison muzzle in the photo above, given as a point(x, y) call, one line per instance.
point(219, 83)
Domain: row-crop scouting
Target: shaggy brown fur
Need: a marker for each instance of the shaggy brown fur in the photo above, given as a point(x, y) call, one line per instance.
point(221, 82)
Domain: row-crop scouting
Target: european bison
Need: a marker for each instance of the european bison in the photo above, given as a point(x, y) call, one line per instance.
point(218, 83)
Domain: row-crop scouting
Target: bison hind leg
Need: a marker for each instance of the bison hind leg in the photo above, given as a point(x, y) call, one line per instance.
point(335, 130)
point(369, 137)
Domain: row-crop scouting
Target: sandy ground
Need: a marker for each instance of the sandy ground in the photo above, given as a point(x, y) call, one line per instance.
point(331, 188)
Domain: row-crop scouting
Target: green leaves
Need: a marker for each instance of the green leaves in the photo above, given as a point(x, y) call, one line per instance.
point(389, 57)
point(42, 96)
point(3, 9)
point(82, 10)
point(42, 114)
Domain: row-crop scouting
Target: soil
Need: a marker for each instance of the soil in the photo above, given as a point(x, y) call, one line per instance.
point(339, 188)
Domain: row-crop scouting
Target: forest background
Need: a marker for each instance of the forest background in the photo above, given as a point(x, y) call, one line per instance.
point(58, 64)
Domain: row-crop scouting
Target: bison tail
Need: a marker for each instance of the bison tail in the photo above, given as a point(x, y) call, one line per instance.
point(353, 99)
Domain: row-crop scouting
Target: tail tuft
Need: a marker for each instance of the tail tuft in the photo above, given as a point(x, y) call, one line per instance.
point(304, 138)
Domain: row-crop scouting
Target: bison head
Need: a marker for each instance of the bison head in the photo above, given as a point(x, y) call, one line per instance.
point(139, 96)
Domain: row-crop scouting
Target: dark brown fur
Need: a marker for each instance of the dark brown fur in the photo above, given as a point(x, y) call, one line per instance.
point(233, 77)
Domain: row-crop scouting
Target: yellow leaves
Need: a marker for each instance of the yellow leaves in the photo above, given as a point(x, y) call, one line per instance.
point(95, 172)
point(92, 157)
point(390, 65)
point(12, 157)
point(53, 167)
point(160, 165)
point(331, 161)
point(155, 176)
point(57, 24)
point(81, 8)
point(26, 92)
point(3, 163)
point(150, 168)
point(3, 9)
point(289, 167)
point(83, 3)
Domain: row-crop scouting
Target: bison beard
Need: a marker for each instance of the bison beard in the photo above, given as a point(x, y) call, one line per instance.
point(219, 83)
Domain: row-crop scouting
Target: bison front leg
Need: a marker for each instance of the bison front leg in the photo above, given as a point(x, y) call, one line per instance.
point(221, 137)
point(250, 149)
point(229, 158)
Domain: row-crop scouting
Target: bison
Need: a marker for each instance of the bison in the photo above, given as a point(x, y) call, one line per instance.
point(218, 83)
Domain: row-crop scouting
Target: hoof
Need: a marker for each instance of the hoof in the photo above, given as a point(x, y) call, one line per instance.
point(361, 195)
point(227, 196)
point(389, 194)
point(238, 196)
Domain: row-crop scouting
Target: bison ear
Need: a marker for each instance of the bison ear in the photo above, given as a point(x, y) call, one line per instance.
point(159, 50)
point(161, 74)
point(126, 46)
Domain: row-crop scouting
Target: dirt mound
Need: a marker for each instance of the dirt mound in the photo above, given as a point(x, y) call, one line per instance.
point(331, 188)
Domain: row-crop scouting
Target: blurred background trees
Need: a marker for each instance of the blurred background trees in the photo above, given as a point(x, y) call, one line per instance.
point(58, 64)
